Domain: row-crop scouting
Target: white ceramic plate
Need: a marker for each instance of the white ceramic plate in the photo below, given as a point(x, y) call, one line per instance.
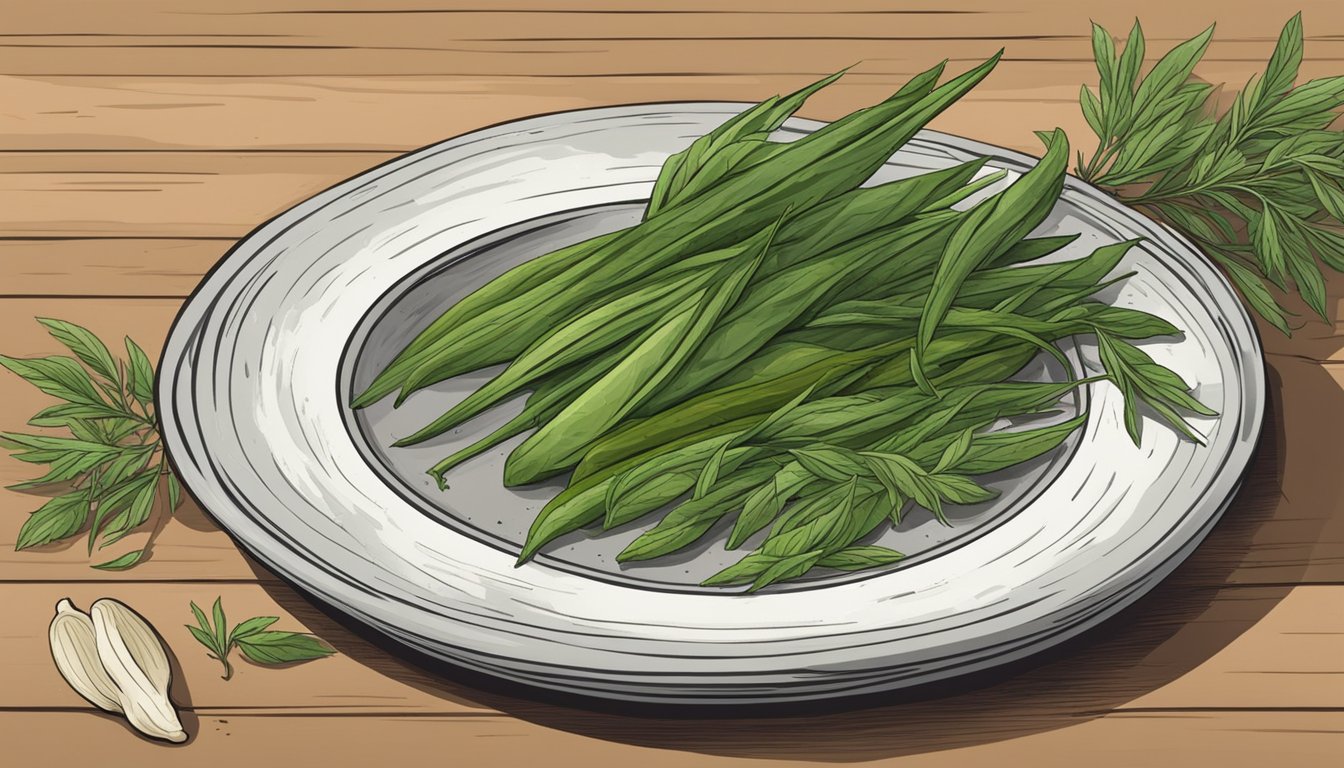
point(303, 312)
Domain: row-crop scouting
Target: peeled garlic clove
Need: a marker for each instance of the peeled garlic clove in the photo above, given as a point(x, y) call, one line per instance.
point(137, 663)
point(75, 651)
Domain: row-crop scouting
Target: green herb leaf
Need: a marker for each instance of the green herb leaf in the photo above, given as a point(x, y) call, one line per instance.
point(267, 647)
point(122, 563)
point(60, 377)
point(135, 513)
point(828, 463)
point(59, 518)
point(87, 347)
point(174, 487)
point(221, 625)
point(110, 455)
point(860, 558)
point(207, 639)
point(257, 642)
point(1269, 167)
point(201, 620)
point(66, 414)
point(141, 374)
point(252, 626)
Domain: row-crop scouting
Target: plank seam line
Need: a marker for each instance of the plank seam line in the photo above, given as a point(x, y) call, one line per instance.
point(105, 297)
point(296, 711)
point(275, 581)
point(155, 582)
point(95, 238)
point(267, 711)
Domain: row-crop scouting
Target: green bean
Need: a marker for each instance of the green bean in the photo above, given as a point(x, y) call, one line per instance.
point(560, 443)
point(989, 231)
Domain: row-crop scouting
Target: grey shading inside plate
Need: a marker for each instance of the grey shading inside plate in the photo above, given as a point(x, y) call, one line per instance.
point(477, 504)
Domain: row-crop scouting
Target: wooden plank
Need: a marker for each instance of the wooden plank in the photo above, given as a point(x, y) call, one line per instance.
point(1286, 527)
point(159, 194)
point(1240, 647)
point(315, 24)
point(227, 738)
point(1228, 61)
point(107, 267)
point(401, 113)
point(529, 19)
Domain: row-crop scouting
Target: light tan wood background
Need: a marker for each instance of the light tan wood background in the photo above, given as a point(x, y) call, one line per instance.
point(140, 138)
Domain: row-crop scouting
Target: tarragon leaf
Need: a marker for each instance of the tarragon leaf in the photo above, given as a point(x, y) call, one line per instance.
point(59, 518)
point(88, 348)
point(269, 647)
point(122, 563)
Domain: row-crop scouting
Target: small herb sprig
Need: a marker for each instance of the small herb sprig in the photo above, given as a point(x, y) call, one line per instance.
point(1258, 189)
point(258, 644)
point(111, 465)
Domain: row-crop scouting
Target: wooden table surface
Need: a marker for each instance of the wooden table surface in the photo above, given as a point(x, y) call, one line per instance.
point(140, 138)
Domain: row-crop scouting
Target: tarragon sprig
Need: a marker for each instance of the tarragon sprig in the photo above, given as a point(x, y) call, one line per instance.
point(1259, 189)
point(110, 467)
point(259, 643)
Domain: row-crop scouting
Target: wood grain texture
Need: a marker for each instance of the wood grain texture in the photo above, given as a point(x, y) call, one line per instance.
point(1242, 647)
point(134, 194)
point(92, 266)
point(252, 106)
point(403, 112)
point(230, 737)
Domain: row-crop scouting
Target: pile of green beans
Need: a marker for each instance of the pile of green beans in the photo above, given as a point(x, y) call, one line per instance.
point(778, 345)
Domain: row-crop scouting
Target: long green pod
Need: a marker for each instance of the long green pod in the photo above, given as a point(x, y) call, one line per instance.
point(1038, 333)
point(565, 514)
point(760, 397)
point(538, 270)
point(866, 211)
point(876, 219)
point(550, 397)
point(838, 157)
point(772, 304)
point(589, 335)
point(694, 169)
point(999, 277)
point(495, 332)
point(560, 443)
point(990, 229)
point(633, 493)
point(725, 405)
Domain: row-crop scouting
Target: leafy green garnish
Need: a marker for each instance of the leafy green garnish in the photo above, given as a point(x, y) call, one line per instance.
point(258, 643)
point(1259, 189)
point(111, 465)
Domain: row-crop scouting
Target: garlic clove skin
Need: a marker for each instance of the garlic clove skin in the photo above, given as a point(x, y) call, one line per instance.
point(137, 663)
point(75, 651)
